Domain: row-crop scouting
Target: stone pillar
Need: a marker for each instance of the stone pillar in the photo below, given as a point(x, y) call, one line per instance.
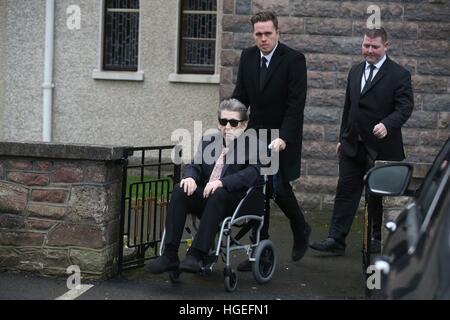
point(60, 206)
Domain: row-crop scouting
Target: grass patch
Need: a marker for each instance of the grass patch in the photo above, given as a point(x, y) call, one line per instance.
point(149, 187)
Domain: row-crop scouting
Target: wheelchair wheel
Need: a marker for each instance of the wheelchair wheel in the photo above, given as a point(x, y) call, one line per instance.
point(231, 281)
point(263, 267)
point(174, 276)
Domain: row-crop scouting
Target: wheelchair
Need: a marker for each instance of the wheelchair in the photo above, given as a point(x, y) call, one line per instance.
point(248, 214)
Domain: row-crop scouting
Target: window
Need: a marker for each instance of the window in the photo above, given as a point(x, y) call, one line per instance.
point(197, 48)
point(121, 35)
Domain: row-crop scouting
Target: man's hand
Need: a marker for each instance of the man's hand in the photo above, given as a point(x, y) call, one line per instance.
point(338, 148)
point(211, 187)
point(278, 145)
point(380, 131)
point(189, 186)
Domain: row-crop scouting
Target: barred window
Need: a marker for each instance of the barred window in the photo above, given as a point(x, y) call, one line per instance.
point(198, 36)
point(121, 35)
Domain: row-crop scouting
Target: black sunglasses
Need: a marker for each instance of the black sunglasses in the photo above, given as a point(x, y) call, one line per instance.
point(233, 122)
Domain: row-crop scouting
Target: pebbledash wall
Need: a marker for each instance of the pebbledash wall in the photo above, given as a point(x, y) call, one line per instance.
point(60, 206)
point(329, 34)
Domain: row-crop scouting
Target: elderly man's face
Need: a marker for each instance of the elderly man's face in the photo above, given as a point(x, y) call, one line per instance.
point(265, 35)
point(231, 125)
point(374, 49)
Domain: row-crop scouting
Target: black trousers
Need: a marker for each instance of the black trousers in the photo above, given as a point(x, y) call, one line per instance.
point(285, 199)
point(211, 211)
point(348, 194)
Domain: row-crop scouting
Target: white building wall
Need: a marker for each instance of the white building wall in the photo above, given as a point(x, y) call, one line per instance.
point(99, 111)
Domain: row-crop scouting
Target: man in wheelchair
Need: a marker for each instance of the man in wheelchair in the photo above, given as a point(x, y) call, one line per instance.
point(212, 186)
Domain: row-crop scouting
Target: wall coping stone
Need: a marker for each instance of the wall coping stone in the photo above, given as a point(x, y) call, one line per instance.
point(64, 150)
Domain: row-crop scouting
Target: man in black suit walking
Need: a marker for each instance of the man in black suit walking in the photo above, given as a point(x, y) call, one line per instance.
point(272, 82)
point(378, 101)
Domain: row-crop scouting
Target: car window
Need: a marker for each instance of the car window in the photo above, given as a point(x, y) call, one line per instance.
point(430, 187)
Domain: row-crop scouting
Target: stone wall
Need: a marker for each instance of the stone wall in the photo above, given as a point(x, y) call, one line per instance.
point(60, 206)
point(329, 34)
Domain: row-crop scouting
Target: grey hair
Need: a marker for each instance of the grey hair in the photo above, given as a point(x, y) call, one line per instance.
point(234, 105)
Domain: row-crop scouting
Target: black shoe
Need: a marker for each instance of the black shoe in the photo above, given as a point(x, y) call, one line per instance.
point(245, 266)
point(190, 264)
point(301, 246)
point(329, 245)
point(162, 264)
point(375, 246)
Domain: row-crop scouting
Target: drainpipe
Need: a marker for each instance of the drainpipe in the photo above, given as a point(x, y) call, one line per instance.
point(48, 85)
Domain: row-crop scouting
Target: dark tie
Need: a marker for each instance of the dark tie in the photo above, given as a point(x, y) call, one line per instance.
point(262, 72)
point(369, 79)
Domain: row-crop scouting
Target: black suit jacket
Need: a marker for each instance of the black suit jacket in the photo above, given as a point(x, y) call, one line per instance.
point(280, 103)
point(388, 100)
point(239, 173)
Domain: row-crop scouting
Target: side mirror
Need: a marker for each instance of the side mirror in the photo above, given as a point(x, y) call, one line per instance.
point(389, 180)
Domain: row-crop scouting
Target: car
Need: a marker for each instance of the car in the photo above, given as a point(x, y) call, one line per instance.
point(416, 257)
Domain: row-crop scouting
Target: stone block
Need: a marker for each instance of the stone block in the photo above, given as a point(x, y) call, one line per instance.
point(280, 7)
point(55, 258)
point(30, 259)
point(331, 134)
point(426, 48)
point(444, 120)
point(8, 221)
point(319, 184)
point(396, 30)
point(46, 211)
point(426, 11)
point(39, 225)
point(328, 62)
point(321, 80)
point(49, 195)
point(322, 167)
point(42, 165)
point(67, 174)
point(313, 132)
point(332, 98)
point(92, 261)
point(291, 25)
point(88, 203)
point(2, 171)
point(319, 150)
point(228, 6)
point(78, 235)
point(29, 179)
point(436, 102)
point(358, 10)
point(13, 198)
point(20, 164)
point(243, 7)
point(9, 258)
point(21, 238)
point(320, 44)
point(230, 58)
point(226, 75)
point(310, 8)
point(434, 31)
point(430, 84)
point(227, 40)
point(226, 90)
point(436, 67)
point(328, 27)
point(322, 115)
point(95, 174)
point(421, 119)
point(233, 23)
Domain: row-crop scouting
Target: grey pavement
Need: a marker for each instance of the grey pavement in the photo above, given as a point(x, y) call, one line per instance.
point(314, 277)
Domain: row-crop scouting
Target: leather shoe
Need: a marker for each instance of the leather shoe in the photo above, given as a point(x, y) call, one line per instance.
point(190, 264)
point(162, 264)
point(329, 245)
point(301, 245)
point(375, 246)
point(245, 266)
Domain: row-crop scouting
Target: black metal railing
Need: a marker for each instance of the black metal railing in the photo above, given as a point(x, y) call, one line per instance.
point(148, 181)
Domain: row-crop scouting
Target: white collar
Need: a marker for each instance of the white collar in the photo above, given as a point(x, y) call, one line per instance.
point(268, 56)
point(378, 64)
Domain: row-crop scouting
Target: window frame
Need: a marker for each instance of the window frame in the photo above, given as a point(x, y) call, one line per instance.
point(99, 73)
point(214, 78)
